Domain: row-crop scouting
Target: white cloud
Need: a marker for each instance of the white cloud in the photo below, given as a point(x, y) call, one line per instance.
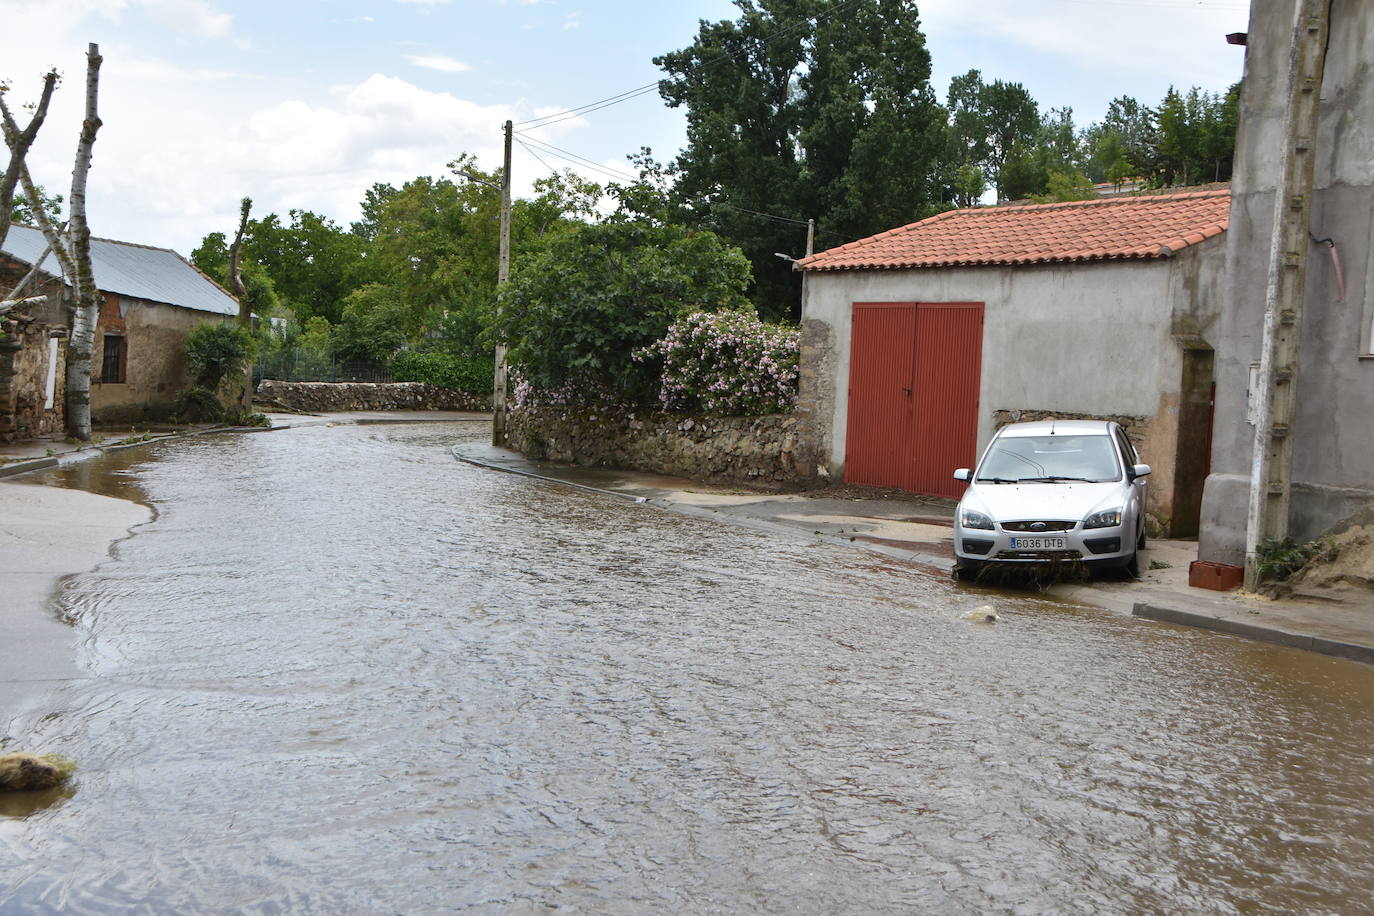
point(438, 62)
point(573, 21)
point(1185, 45)
point(191, 17)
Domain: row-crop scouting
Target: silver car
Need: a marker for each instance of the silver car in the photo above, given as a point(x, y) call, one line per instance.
point(1053, 492)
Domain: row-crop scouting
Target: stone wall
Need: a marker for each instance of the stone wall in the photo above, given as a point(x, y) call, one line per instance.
point(322, 397)
point(32, 344)
point(769, 450)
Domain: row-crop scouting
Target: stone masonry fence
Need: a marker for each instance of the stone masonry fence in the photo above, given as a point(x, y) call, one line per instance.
point(331, 396)
point(768, 450)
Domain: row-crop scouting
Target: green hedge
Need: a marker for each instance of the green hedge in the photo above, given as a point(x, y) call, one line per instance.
point(465, 373)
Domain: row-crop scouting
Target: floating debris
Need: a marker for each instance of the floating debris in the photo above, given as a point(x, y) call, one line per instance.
point(983, 613)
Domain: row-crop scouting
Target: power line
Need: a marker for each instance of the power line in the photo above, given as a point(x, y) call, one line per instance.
point(537, 157)
point(561, 153)
point(587, 163)
point(556, 117)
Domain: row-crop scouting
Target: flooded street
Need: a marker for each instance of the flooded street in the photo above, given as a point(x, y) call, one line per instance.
point(342, 672)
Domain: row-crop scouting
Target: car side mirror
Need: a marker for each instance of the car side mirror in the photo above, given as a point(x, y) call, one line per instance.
point(962, 474)
point(1140, 470)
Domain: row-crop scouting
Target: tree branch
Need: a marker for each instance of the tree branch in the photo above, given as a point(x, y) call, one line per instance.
point(235, 276)
point(19, 142)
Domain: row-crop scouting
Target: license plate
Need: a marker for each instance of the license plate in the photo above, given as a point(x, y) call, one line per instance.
point(1039, 543)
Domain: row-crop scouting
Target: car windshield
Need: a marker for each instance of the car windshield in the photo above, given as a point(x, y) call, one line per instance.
point(1050, 459)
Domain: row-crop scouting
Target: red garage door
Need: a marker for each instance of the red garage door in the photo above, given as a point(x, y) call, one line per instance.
point(914, 370)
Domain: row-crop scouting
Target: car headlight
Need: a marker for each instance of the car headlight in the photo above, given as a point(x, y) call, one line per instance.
point(1107, 518)
point(970, 519)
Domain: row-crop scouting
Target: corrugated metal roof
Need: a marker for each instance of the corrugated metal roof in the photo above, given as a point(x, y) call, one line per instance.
point(137, 271)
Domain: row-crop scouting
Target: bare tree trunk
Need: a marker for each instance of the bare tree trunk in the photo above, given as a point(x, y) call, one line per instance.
point(86, 308)
point(241, 293)
point(19, 142)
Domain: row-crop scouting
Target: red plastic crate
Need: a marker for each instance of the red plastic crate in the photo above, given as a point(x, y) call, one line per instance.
point(1221, 577)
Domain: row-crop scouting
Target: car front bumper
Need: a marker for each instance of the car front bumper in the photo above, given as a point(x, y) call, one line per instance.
point(1092, 546)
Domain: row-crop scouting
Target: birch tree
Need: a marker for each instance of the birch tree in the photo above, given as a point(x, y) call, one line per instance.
point(85, 298)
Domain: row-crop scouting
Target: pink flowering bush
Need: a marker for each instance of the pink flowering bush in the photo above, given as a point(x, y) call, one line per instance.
point(726, 363)
point(583, 389)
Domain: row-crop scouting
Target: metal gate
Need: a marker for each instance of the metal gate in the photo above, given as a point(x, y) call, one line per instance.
point(914, 372)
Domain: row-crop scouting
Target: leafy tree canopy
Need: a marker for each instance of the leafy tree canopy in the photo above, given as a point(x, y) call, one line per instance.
point(804, 109)
point(576, 309)
point(21, 211)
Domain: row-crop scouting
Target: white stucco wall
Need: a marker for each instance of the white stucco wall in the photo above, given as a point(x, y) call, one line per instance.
point(1091, 338)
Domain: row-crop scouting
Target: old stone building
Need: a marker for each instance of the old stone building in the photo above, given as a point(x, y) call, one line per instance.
point(33, 359)
point(151, 299)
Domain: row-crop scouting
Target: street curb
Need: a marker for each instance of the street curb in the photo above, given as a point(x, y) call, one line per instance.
point(1319, 644)
point(14, 468)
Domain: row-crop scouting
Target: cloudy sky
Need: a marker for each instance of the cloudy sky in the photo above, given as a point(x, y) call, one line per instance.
point(306, 103)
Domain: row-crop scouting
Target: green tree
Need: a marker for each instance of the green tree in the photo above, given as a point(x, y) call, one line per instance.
point(801, 109)
point(21, 211)
point(376, 324)
point(211, 257)
point(1064, 186)
point(374, 199)
point(1121, 145)
point(1033, 161)
point(578, 308)
point(433, 251)
point(968, 185)
point(1012, 119)
point(313, 263)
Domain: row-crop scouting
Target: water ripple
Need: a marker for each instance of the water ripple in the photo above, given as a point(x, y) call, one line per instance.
point(341, 672)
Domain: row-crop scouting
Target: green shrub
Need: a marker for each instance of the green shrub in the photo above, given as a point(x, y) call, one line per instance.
point(197, 405)
point(466, 373)
point(217, 351)
point(1280, 559)
point(247, 418)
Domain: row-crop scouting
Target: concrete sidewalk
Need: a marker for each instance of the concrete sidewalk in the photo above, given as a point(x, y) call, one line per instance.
point(920, 530)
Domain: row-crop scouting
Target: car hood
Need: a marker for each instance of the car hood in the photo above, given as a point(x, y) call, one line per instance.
point(1026, 501)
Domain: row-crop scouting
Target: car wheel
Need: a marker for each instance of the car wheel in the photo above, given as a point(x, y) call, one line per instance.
point(1132, 565)
point(1140, 541)
point(967, 570)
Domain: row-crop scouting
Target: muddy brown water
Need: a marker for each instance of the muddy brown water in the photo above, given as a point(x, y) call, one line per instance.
point(342, 672)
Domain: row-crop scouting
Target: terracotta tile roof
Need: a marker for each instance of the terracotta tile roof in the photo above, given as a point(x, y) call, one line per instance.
point(1149, 226)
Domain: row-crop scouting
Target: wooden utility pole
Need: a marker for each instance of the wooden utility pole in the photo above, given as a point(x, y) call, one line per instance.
point(498, 394)
point(1271, 468)
point(240, 291)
